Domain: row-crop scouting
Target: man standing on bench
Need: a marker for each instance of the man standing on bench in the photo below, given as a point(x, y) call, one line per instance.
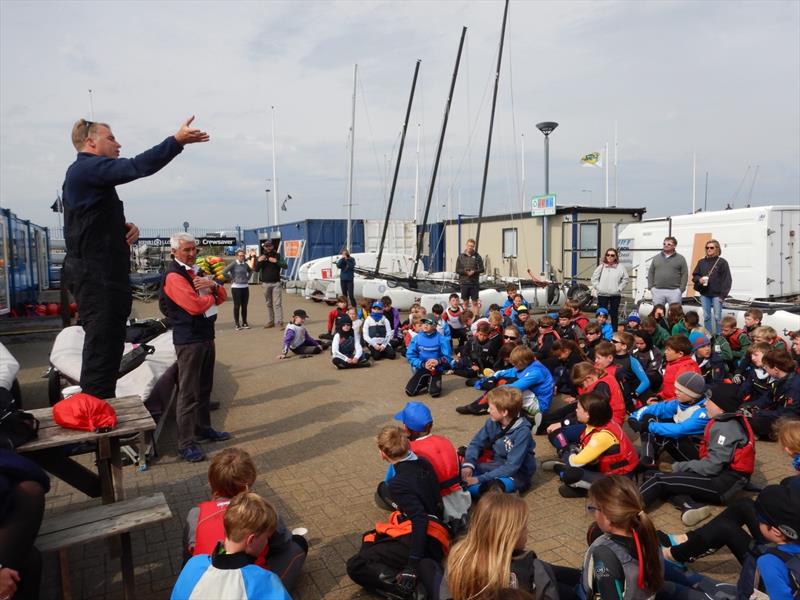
point(98, 238)
point(190, 302)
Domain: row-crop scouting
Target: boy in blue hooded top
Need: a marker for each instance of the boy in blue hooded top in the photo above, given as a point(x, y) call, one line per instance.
point(673, 425)
point(529, 376)
point(601, 318)
point(429, 355)
point(501, 455)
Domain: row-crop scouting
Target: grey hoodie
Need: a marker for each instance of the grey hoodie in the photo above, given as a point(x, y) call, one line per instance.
point(609, 280)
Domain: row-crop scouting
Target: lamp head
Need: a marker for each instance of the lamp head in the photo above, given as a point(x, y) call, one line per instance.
point(547, 127)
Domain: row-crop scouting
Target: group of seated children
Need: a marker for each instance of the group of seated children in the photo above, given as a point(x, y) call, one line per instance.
point(235, 544)
point(421, 550)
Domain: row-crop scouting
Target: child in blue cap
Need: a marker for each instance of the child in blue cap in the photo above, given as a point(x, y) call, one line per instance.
point(437, 450)
point(601, 318)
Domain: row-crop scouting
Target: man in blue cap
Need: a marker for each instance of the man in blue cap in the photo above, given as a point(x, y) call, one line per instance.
point(437, 450)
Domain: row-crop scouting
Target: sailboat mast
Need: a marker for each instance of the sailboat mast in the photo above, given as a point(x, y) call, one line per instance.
point(421, 232)
point(397, 167)
point(352, 144)
point(274, 173)
point(416, 178)
point(491, 127)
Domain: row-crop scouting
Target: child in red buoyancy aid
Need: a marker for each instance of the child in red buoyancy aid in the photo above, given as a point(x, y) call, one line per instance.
point(231, 472)
point(603, 448)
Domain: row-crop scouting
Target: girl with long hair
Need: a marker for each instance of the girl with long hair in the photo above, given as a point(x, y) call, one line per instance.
point(492, 556)
point(627, 555)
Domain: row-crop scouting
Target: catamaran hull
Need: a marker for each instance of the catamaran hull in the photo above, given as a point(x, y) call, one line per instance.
point(403, 298)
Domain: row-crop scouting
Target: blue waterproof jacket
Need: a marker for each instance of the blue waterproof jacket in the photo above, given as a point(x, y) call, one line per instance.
point(512, 451)
point(425, 346)
point(687, 419)
point(536, 378)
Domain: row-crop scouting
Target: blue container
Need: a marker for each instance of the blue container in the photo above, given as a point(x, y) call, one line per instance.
point(322, 237)
point(25, 255)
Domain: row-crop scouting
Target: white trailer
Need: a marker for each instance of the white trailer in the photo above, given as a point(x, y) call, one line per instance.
point(760, 244)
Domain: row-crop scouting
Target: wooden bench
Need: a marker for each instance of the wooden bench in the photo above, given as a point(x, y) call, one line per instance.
point(94, 524)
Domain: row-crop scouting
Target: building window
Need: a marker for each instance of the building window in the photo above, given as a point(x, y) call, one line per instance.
point(588, 240)
point(510, 243)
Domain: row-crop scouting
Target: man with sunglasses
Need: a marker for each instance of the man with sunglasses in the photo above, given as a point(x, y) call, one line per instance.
point(668, 274)
point(98, 240)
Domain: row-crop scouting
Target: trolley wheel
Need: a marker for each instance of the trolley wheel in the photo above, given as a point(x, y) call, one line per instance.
point(581, 293)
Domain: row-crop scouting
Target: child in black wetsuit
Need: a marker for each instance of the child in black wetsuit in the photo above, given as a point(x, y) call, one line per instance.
point(390, 554)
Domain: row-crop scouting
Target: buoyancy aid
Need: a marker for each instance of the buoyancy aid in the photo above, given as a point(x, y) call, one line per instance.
point(399, 526)
point(619, 459)
point(617, 400)
point(376, 328)
point(443, 458)
point(211, 529)
point(744, 457)
point(581, 322)
point(299, 335)
point(540, 339)
point(630, 566)
point(452, 317)
point(733, 339)
point(347, 344)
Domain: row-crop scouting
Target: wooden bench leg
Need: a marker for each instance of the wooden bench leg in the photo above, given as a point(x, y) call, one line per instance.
point(128, 582)
point(63, 567)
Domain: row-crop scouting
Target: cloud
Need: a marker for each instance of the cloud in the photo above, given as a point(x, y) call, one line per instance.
point(717, 79)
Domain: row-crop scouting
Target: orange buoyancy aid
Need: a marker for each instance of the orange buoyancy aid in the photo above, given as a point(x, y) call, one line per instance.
point(621, 458)
point(211, 529)
point(744, 457)
point(439, 451)
point(398, 526)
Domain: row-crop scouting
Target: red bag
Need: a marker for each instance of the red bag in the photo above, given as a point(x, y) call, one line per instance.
point(85, 412)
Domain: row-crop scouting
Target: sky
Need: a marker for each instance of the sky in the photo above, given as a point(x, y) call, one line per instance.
point(718, 80)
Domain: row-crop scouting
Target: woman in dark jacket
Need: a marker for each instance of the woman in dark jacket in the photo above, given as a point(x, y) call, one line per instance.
point(712, 280)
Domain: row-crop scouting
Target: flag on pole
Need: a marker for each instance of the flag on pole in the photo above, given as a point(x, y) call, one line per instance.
point(593, 159)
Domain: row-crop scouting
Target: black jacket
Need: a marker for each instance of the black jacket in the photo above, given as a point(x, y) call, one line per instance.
point(415, 490)
point(719, 282)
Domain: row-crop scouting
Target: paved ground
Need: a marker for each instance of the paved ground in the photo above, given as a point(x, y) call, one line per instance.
point(310, 431)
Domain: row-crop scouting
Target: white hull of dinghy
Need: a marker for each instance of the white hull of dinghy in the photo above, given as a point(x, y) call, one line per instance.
point(403, 298)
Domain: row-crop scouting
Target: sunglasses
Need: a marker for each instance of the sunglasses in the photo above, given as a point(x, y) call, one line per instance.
point(711, 247)
point(610, 254)
point(618, 341)
point(510, 337)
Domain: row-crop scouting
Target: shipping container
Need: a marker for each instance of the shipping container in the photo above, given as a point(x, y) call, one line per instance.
point(24, 261)
point(309, 239)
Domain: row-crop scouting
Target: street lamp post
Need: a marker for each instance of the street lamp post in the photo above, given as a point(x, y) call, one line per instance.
point(267, 191)
point(546, 127)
